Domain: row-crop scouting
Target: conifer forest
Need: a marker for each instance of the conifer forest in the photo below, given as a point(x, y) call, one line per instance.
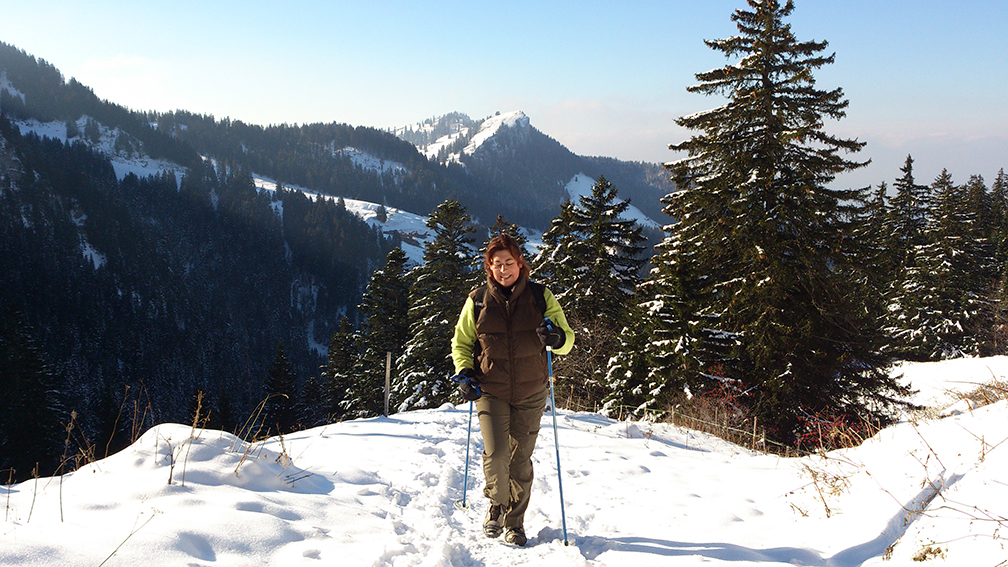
point(192, 295)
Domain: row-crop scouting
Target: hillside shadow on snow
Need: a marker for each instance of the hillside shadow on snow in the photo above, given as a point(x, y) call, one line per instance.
point(592, 547)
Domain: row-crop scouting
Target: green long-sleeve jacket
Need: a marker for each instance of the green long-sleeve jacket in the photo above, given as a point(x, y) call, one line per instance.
point(512, 360)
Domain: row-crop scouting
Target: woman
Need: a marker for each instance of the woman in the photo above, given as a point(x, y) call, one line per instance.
point(502, 349)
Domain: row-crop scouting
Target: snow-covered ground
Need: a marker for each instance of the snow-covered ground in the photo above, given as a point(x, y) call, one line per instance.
point(381, 491)
point(367, 161)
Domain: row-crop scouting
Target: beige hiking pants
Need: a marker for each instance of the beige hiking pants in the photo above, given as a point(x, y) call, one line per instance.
point(509, 437)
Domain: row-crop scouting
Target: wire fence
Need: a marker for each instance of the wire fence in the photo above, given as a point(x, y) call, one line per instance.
point(755, 437)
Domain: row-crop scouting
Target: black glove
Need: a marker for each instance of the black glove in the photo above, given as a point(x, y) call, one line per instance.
point(469, 384)
point(551, 335)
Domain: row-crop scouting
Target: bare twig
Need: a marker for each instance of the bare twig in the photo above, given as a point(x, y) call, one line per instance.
point(135, 529)
point(35, 474)
point(192, 433)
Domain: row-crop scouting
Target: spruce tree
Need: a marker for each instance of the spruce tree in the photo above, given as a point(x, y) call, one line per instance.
point(945, 308)
point(996, 341)
point(552, 265)
point(607, 251)
point(596, 256)
point(873, 235)
point(338, 371)
point(30, 429)
point(385, 329)
point(909, 215)
point(979, 204)
point(772, 293)
point(632, 387)
point(279, 410)
point(310, 409)
point(999, 217)
point(439, 290)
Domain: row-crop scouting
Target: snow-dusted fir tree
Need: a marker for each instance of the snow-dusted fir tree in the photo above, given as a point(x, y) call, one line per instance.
point(947, 285)
point(999, 216)
point(997, 339)
point(671, 352)
point(439, 290)
point(632, 388)
point(869, 247)
point(279, 411)
point(908, 215)
point(338, 370)
point(551, 265)
point(771, 292)
point(310, 408)
point(607, 255)
point(873, 236)
point(385, 329)
point(593, 256)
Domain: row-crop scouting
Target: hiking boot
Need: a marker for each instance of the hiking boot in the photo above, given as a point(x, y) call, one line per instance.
point(493, 525)
point(516, 536)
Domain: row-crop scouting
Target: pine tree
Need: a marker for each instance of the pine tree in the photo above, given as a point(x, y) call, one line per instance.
point(385, 329)
point(338, 371)
point(997, 341)
point(979, 204)
point(552, 265)
point(607, 252)
point(439, 290)
point(772, 293)
point(596, 255)
point(945, 303)
point(879, 258)
point(909, 211)
point(632, 388)
point(999, 217)
point(310, 409)
point(279, 412)
point(30, 430)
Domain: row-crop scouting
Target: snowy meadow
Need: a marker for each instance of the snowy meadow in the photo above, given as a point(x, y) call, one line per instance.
point(382, 491)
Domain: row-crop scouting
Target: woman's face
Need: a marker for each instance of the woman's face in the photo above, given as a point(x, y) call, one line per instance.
point(504, 268)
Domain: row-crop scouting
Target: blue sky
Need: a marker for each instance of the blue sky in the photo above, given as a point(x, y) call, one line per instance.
point(926, 78)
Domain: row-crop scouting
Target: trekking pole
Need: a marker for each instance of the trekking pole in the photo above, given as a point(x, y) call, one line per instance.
point(556, 441)
point(465, 481)
point(461, 504)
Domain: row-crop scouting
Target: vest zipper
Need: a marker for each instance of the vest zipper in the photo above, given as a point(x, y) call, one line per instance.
point(511, 349)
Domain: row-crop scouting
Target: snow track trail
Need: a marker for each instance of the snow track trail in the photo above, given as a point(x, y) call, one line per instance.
point(381, 492)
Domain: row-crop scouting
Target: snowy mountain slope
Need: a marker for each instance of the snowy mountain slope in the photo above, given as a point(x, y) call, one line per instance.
point(124, 162)
point(6, 85)
point(475, 137)
point(412, 228)
point(432, 150)
point(381, 492)
point(515, 120)
point(530, 167)
point(366, 160)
